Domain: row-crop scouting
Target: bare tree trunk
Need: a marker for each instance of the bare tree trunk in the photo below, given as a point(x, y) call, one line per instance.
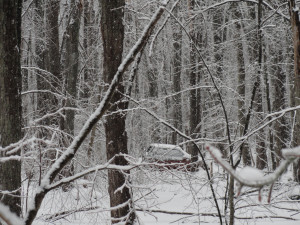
point(10, 99)
point(72, 63)
point(270, 133)
point(241, 83)
point(194, 102)
point(88, 43)
point(112, 29)
point(176, 69)
point(39, 35)
point(280, 127)
point(295, 23)
point(48, 56)
point(261, 160)
point(153, 94)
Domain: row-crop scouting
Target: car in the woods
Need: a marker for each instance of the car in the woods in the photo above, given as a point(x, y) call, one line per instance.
point(170, 157)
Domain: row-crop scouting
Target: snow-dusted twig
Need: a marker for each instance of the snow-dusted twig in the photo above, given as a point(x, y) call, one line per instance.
point(161, 27)
point(94, 118)
point(266, 4)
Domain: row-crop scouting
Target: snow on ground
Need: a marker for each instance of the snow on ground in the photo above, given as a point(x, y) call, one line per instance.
point(170, 191)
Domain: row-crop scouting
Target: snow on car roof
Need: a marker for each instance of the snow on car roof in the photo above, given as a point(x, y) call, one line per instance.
point(169, 146)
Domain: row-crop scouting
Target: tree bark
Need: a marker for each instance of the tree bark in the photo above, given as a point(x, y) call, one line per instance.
point(281, 132)
point(112, 29)
point(10, 99)
point(194, 117)
point(176, 69)
point(241, 84)
point(295, 23)
point(261, 159)
point(48, 57)
point(72, 63)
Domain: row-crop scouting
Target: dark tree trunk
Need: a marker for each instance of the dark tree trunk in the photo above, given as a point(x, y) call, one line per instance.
point(39, 34)
point(72, 63)
point(280, 127)
point(153, 94)
point(88, 43)
point(295, 23)
point(10, 98)
point(194, 118)
point(176, 69)
point(241, 83)
point(48, 57)
point(261, 160)
point(112, 29)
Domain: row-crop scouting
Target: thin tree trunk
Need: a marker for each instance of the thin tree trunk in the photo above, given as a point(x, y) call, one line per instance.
point(39, 35)
point(176, 69)
point(241, 84)
point(112, 29)
point(47, 57)
point(280, 127)
point(194, 102)
point(72, 63)
point(10, 99)
point(261, 160)
point(270, 133)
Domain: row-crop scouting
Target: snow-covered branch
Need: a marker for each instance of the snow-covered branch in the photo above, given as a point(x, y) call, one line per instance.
point(253, 177)
point(9, 217)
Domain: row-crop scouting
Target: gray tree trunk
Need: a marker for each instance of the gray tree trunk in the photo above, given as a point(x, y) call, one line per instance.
point(261, 160)
point(112, 29)
point(48, 56)
point(71, 63)
point(176, 69)
point(281, 132)
point(295, 23)
point(194, 118)
point(241, 83)
point(10, 99)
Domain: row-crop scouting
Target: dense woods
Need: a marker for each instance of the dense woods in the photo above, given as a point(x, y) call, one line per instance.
point(87, 86)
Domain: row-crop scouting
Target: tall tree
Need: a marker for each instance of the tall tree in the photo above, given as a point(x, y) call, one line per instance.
point(48, 56)
point(261, 160)
point(194, 101)
point(176, 70)
point(241, 82)
point(281, 126)
point(10, 99)
point(72, 62)
point(112, 29)
point(295, 23)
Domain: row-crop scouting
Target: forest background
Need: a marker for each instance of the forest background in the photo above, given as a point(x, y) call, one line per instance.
point(86, 86)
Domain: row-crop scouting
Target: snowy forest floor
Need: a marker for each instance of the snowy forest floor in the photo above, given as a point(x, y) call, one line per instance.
point(170, 197)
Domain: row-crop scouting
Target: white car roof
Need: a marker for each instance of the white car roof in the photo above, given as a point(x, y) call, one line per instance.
point(169, 146)
point(164, 146)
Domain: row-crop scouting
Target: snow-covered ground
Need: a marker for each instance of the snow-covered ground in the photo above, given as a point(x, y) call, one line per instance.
point(171, 197)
